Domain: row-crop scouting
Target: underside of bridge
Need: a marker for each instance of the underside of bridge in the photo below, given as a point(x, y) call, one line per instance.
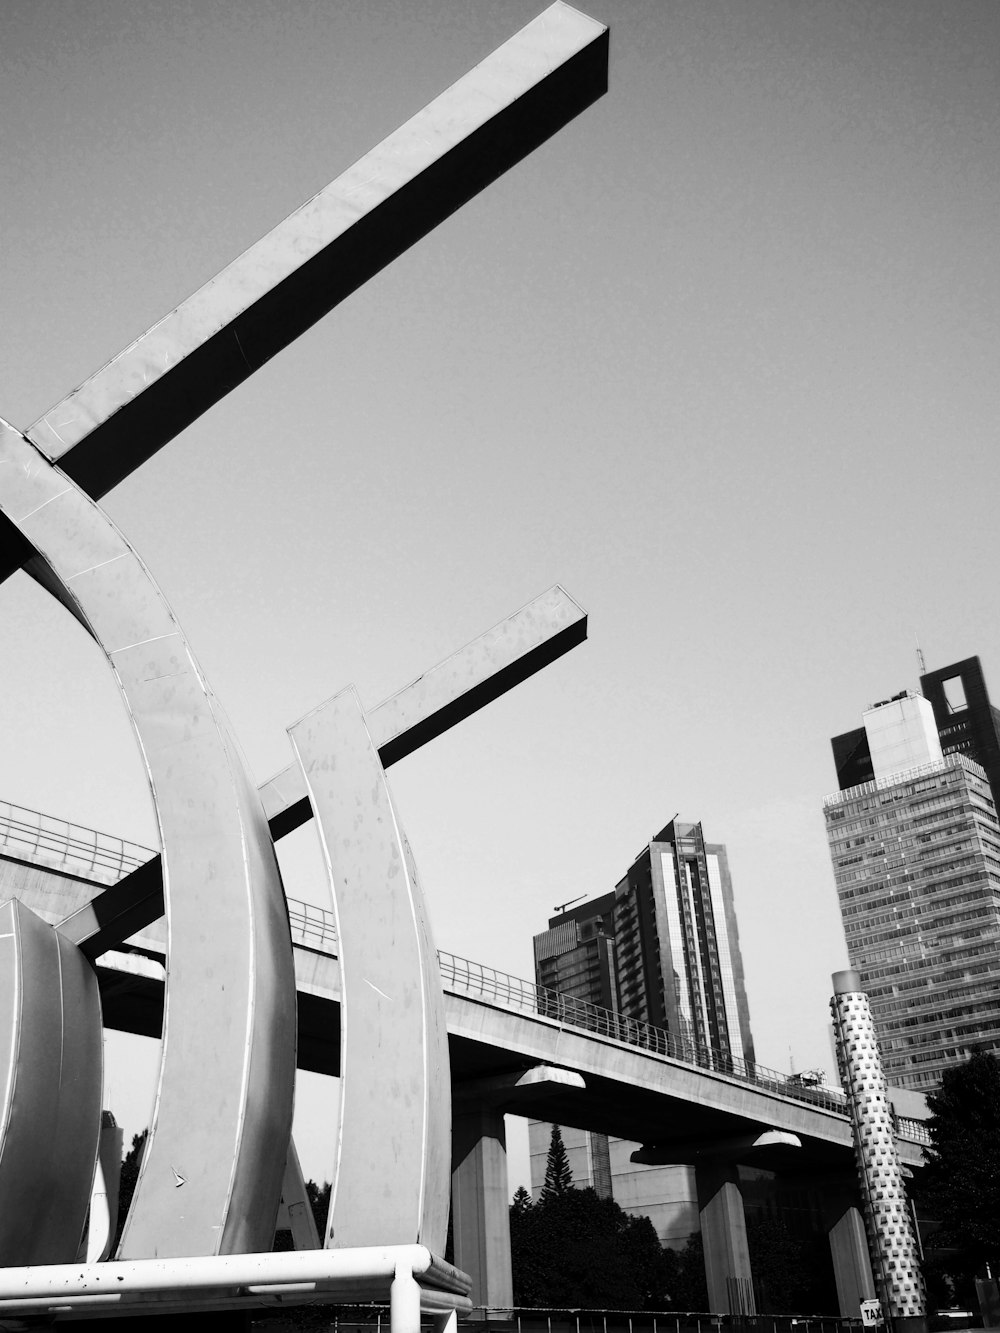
point(134, 1003)
point(490, 1079)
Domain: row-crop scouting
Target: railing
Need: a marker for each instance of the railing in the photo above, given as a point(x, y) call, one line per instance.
point(313, 927)
point(642, 1321)
point(27, 835)
point(460, 976)
point(933, 766)
point(375, 1319)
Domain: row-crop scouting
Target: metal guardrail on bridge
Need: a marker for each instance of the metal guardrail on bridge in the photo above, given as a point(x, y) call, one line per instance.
point(460, 976)
point(30, 836)
point(26, 835)
point(375, 1319)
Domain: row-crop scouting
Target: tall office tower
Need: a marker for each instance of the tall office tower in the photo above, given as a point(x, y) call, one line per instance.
point(967, 723)
point(916, 859)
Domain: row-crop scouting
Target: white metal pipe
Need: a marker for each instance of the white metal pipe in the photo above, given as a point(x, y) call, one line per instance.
point(376, 1265)
point(404, 1300)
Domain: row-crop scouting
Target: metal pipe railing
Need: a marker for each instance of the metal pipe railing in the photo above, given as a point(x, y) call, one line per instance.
point(27, 835)
point(461, 976)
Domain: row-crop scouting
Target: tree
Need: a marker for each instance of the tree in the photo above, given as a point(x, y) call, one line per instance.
point(319, 1202)
point(690, 1289)
point(131, 1163)
point(558, 1176)
point(960, 1185)
point(521, 1204)
point(777, 1260)
point(573, 1249)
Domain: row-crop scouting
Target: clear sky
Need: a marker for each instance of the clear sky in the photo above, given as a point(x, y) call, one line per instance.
point(721, 358)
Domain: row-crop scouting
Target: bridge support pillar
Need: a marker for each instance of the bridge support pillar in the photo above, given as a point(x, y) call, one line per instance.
point(851, 1264)
point(724, 1237)
point(479, 1203)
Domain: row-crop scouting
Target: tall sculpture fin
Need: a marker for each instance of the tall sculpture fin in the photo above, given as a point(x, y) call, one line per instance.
point(230, 997)
point(393, 1157)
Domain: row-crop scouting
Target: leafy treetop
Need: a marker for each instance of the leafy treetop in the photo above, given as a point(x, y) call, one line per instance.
point(960, 1185)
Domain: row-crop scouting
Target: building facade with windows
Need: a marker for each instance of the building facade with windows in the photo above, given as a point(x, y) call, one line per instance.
point(916, 859)
point(577, 956)
point(679, 960)
point(663, 947)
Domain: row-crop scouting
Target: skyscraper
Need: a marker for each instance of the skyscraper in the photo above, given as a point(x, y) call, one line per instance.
point(916, 859)
point(679, 958)
point(663, 947)
point(576, 955)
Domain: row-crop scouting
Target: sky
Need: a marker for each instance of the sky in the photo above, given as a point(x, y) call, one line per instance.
point(720, 358)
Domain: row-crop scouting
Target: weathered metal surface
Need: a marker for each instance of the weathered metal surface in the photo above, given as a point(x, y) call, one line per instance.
point(457, 145)
point(51, 1057)
point(211, 1176)
point(477, 674)
point(393, 1154)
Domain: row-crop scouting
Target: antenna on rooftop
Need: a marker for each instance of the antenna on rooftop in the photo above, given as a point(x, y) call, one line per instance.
point(920, 658)
point(562, 906)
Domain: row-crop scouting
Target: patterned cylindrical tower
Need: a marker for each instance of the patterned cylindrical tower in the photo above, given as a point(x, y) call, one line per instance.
point(892, 1239)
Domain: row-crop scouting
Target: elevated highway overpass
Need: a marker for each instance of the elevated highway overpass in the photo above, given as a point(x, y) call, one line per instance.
point(515, 1048)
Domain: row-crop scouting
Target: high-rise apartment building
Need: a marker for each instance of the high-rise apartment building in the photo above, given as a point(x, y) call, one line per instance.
point(576, 955)
point(916, 859)
point(679, 961)
point(663, 947)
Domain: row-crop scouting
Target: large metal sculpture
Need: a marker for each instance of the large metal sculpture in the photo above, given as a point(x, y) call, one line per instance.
point(212, 1174)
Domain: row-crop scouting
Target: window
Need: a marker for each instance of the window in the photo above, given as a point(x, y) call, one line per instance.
point(954, 693)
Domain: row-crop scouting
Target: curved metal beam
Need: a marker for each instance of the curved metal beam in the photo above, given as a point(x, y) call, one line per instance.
point(394, 1148)
point(211, 1177)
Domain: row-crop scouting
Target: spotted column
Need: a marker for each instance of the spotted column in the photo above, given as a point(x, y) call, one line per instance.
point(892, 1239)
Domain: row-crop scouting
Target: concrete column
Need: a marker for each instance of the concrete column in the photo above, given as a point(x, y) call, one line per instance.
point(724, 1237)
point(892, 1238)
point(851, 1265)
point(479, 1203)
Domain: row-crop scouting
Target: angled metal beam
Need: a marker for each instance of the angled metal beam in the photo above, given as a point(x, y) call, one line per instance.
point(466, 138)
point(482, 671)
point(461, 685)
